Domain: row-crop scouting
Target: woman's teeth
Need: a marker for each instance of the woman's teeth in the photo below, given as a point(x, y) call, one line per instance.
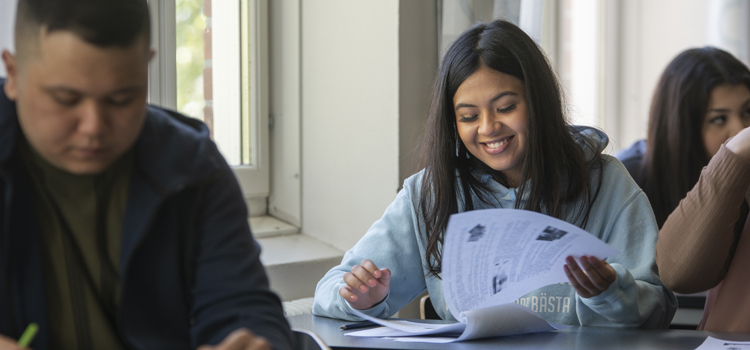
point(497, 144)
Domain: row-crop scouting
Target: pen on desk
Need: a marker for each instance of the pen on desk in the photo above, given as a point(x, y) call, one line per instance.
point(28, 335)
point(359, 325)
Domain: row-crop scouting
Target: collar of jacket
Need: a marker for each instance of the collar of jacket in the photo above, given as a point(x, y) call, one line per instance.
point(8, 125)
point(174, 151)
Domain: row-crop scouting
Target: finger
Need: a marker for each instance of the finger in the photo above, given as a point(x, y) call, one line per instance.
point(591, 271)
point(348, 294)
point(385, 278)
point(370, 266)
point(259, 343)
point(604, 269)
point(224, 343)
point(365, 276)
point(243, 339)
point(355, 283)
point(8, 343)
point(574, 283)
point(236, 340)
point(580, 276)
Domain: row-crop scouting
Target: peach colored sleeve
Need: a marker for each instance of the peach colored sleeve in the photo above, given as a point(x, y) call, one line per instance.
point(696, 243)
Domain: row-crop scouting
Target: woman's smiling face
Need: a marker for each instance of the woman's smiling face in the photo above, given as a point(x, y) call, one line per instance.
point(492, 120)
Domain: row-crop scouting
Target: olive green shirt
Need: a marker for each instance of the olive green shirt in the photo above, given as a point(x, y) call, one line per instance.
point(80, 222)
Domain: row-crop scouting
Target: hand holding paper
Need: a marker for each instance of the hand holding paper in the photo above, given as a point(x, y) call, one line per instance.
point(493, 257)
point(592, 278)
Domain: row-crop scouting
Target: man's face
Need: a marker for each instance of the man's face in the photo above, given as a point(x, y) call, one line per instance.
point(80, 106)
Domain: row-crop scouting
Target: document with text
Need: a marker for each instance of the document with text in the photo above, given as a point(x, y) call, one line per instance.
point(712, 343)
point(491, 258)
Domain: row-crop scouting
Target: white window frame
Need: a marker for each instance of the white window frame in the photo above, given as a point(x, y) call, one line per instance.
point(162, 77)
point(254, 180)
point(7, 29)
point(606, 114)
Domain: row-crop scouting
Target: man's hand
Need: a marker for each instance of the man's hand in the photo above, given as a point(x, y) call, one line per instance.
point(241, 339)
point(9, 344)
point(591, 280)
point(366, 285)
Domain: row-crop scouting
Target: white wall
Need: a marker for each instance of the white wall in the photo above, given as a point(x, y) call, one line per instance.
point(350, 116)
point(653, 33)
point(418, 61)
point(7, 19)
point(284, 201)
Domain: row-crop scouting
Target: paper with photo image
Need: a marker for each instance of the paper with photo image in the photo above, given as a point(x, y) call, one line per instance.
point(494, 256)
point(491, 258)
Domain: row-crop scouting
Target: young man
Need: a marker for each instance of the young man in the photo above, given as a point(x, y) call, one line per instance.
point(121, 225)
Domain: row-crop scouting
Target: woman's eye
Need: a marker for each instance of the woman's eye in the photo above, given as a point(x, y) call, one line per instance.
point(467, 118)
point(718, 120)
point(506, 109)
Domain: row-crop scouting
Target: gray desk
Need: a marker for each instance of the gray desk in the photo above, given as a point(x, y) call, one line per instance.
point(570, 338)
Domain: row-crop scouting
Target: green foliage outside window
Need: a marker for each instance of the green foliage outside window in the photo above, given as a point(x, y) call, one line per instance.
point(191, 24)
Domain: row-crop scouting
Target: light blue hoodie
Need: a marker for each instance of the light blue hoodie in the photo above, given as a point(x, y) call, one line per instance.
point(620, 216)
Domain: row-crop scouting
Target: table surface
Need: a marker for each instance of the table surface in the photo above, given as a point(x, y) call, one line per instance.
point(569, 338)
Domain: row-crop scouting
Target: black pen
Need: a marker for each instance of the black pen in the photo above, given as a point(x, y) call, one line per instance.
point(359, 325)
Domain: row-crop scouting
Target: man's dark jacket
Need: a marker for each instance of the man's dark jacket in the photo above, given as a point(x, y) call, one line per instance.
point(189, 268)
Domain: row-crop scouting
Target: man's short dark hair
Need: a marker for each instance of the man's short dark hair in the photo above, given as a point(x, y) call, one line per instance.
point(102, 23)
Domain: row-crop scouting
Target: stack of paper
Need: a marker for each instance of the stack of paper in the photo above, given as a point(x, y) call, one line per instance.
point(504, 254)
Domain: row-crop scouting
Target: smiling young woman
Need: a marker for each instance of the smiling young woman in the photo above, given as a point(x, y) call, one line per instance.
point(496, 137)
point(492, 120)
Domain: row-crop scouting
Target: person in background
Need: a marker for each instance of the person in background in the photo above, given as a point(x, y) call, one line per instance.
point(121, 225)
point(705, 242)
point(496, 137)
point(701, 100)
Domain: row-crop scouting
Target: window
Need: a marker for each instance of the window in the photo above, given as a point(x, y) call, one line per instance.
point(588, 40)
point(211, 64)
point(579, 59)
point(7, 21)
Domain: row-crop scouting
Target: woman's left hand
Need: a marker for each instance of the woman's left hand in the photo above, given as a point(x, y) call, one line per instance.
point(591, 278)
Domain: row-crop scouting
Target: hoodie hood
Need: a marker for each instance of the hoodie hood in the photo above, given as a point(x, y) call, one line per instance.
point(593, 141)
point(8, 124)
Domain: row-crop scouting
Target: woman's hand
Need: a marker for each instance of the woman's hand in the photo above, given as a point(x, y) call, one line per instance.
point(366, 285)
point(592, 278)
point(740, 144)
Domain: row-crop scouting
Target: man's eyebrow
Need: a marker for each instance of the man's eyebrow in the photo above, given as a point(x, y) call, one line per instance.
point(69, 90)
point(128, 89)
point(497, 97)
point(53, 89)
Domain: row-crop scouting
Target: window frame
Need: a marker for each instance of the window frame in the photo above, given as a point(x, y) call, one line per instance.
point(253, 179)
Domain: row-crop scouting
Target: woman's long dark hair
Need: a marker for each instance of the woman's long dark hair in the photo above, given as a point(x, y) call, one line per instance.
point(675, 152)
point(556, 166)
